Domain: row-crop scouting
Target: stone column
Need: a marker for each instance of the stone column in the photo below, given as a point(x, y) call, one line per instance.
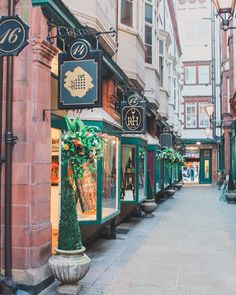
point(31, 227)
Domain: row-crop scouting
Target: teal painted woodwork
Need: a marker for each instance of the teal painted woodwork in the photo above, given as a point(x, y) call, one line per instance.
point(205, 176)
point(59, 123)
point(140, 149)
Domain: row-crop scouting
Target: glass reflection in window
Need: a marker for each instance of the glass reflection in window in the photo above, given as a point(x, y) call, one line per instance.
point(141, 176)
point(109, 180)
point(128, 172)
point(86, 194)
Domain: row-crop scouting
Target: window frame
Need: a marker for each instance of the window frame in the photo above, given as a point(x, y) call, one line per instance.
point(200, 104)
point(186, 114)
point(196, 66)
point(150, 26)
point(131, 17)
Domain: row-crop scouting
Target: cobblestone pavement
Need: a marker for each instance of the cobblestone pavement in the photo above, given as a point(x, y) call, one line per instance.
point(188, 248)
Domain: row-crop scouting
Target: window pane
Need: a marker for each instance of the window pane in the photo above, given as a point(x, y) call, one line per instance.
point(148, 35)
point(148, 44)
point(203, 117)
point(190, 115)
point(190, 75)
point(161, 47)
point(148, 54)
point(126, 13)
point(128, 172)
point(161, 70)
point(141, 176)
point(203, 74)
point(109, 180)
point(148, 13)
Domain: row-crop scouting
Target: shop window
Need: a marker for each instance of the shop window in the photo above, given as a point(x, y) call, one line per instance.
point(191, 115)
point(127, 12)
point(203, 117)
point(151, 166)
point(203, 75)
point(141, 176)
point(110, 176)
point(128, 172)
point(55, 183)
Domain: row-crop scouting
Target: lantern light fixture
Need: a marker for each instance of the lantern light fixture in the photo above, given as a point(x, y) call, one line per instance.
point(225, 9)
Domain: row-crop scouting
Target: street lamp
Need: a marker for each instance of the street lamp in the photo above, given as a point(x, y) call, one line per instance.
point(225, 9)
point(210, 109)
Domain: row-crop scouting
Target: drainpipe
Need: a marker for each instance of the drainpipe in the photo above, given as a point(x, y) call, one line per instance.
point(9, 142)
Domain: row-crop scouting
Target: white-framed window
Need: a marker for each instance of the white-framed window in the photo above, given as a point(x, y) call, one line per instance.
point(161, 62)
point(204, 74)
point(190, 75)
point(203, 117)
point(126, 12)
point(190, 115)
point(148, 31)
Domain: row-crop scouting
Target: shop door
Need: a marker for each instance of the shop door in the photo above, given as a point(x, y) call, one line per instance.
point(205, 167)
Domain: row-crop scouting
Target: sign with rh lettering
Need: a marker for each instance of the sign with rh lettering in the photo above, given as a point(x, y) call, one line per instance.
point(13, 35)
point(80, 78)
point(134, 115)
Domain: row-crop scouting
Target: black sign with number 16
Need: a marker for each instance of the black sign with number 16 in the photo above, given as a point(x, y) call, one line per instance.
point(13, 35)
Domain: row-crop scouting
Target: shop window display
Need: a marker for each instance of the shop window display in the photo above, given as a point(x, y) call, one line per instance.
point(141, 176)
point(128, 172)
point(109, 180)
point(55, 183)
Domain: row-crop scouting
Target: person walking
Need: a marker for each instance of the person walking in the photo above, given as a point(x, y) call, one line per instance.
point(192, 172)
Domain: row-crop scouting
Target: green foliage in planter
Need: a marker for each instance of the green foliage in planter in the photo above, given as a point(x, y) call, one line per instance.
point(69, 237)
point(231, 185)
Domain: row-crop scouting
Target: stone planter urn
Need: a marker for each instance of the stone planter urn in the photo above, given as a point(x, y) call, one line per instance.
point(231, 196)
point(148, 207)
point(170, 192)
point(69, 267)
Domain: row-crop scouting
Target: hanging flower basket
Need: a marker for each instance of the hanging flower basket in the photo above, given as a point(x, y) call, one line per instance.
point(171, 157)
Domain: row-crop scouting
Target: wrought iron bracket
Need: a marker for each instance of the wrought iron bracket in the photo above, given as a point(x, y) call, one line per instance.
point(64, 32)
point(128, 89)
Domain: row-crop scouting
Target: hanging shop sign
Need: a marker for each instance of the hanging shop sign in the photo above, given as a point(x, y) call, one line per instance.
point(80, 77)
point(134, 115)
point(165, 139)
point(13, 35)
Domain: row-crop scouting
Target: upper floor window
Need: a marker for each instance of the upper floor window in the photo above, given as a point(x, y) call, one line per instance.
point(191, 121)
point(203, 117)
point(197, 74)
point(190, 75)
point(203, 75)
point(127, 12)
point(161, 62)
point(148, 31)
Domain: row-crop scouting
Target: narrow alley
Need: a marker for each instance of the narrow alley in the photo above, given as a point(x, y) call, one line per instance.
point(188, 248)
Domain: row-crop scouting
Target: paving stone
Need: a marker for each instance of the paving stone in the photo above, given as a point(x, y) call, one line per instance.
point(188, 248)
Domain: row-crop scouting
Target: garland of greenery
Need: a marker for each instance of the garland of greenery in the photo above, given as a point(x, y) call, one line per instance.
point(171, 157)
point(81, 144)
